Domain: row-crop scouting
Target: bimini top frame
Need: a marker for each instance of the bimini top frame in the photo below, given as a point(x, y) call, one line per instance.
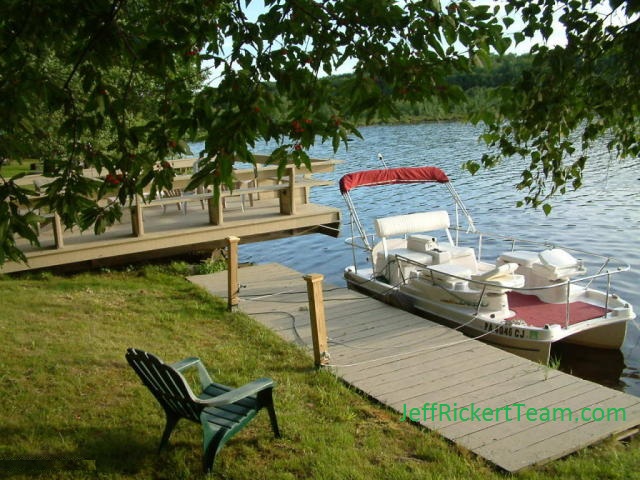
point(391, 176)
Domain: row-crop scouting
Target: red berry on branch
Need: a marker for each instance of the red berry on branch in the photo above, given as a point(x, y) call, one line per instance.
point(112, 179)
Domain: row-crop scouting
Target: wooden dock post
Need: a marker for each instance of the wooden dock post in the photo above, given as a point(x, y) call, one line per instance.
point(57, 230)
point(287, 200)
point(232, 270)
point(215, 209)
point(137, 220)
point(318, 324)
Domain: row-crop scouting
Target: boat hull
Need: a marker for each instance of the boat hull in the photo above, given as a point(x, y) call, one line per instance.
point(534, 350)
point(531, 343)
point(609, 336)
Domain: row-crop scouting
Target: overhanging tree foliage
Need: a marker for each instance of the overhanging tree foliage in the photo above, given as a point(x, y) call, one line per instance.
point(572, 96)
point(122, 72)
point(119, 85)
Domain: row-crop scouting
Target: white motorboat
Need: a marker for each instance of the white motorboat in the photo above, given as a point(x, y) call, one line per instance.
point(526, 297)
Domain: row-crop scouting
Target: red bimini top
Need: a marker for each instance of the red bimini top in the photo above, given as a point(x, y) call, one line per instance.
point(390, 176)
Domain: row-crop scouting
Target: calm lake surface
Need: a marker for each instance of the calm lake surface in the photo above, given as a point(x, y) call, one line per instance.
point(603, 216)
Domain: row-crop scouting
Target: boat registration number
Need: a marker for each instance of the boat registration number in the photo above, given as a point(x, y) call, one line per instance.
point(505, 330)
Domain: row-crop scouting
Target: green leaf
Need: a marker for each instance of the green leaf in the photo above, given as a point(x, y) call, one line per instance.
point(472, 167)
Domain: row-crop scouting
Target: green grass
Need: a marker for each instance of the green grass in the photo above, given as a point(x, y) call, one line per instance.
point(68, 393)
point(14, 168)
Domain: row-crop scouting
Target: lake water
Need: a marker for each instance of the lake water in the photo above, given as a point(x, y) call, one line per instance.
point(603, 216)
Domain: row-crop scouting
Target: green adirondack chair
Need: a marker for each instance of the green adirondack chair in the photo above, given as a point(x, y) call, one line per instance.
point(222, 411)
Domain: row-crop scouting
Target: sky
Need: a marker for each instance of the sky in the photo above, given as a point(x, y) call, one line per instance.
point(256, 7)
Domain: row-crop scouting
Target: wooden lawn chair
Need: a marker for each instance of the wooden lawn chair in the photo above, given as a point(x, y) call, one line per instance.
point(177, 193)
point(222, 411)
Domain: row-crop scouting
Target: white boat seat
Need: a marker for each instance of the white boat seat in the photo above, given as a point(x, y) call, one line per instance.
point(442, 253)
point(400, 271)
point(412, 223)
point(457, 252)
point(502, 276)
point(557, 264)
point(442, 274)
point(545, 269)
point(418, 248)
point(523, 258)
point(389, 227)
point(418, 257)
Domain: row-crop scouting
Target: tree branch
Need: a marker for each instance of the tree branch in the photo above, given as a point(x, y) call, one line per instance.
point(115, 8)
point(22, 28)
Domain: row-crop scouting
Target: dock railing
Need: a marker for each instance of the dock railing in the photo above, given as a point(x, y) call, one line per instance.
point(605, 267)
point(262, 182)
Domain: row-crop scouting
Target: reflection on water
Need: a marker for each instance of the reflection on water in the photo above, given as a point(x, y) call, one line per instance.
point(603, 216)
point(602, 366)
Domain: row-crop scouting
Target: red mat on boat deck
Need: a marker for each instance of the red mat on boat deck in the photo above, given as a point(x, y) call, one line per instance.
point(538, 313)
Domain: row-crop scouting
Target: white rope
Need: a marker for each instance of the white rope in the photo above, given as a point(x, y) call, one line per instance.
point(380, 347)
point(255, 299)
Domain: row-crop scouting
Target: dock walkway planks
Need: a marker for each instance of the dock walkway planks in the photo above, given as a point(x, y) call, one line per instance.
point(405, 361)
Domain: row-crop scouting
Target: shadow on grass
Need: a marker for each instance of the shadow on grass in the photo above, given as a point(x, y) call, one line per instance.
point(114, 451)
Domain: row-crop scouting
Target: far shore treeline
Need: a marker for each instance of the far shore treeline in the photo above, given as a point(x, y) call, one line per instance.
point(476, 84)
point(502, 70)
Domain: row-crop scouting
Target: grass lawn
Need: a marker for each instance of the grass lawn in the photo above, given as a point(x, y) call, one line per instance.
point(14, 168)
point(72, 407)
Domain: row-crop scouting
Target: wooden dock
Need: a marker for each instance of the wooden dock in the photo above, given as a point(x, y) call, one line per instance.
point(407, 362)
point(262, 207)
